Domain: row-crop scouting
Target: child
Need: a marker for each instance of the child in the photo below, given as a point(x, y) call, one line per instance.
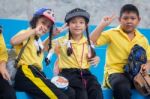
point(120, 41)
point(75, 54)
point(29, 77)
point(6, 91)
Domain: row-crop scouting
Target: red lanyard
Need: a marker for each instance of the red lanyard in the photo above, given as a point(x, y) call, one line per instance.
point(81, 56)
point(81, 74)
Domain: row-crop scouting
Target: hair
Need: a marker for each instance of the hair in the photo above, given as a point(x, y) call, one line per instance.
point(34, 20)
point(1, 29)
point(50, 38)
point(69, 49)
point(129, 8)
point(93, 53)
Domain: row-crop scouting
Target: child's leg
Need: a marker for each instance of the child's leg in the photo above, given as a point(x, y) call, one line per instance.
point(93, 87)
point(31, 80)
point(70, 92)
point(121, 86)
point(6, 91)
point(75, 81)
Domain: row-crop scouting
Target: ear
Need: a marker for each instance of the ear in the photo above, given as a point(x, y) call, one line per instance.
point(87, 25)
point(139, 18)
point(119, 19)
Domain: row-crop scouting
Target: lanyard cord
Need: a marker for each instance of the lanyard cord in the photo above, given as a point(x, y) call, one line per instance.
point(81, 56)
point(81, 73)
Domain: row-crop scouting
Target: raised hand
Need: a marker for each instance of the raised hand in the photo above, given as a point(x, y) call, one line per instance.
point(107, 20)
point(40, 30)
point(60, 29)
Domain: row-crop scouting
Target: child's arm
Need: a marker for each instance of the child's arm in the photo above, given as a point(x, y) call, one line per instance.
point(18, 39)
point(3, 59)
point(97, 32)
point(56, 69)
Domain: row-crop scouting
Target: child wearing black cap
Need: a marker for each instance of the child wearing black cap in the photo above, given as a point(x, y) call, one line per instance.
point(29, 77)
point(75, 54)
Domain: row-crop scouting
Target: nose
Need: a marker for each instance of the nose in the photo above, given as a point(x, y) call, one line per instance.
point(77, 24)
point(129, 20)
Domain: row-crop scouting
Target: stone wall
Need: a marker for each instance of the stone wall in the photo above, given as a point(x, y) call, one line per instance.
point(23, 9)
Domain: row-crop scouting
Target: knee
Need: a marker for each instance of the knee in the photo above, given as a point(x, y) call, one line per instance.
point(64, 97)
point(70, 93)
point(124, 88)
point(9, 94)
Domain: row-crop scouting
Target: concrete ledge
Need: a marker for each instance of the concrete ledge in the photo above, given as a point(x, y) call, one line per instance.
point(22, 95)
point(107, 93)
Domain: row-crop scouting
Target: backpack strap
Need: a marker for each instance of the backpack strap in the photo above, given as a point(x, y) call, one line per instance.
point(20, 53)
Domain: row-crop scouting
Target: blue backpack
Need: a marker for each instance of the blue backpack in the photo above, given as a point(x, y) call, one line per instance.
point(136, 58)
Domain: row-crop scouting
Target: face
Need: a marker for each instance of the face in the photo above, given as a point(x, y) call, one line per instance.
point(129, 21)
point(77, 25)
point(44, 24)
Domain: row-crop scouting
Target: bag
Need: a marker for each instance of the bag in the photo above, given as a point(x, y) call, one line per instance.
point(142, 80)
point(136, 58)
point(10, 65)
point(13, 62)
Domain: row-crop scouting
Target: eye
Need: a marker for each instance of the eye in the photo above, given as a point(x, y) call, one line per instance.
point(53, 15)
point(44, 22)
point(125, 17)
point(133, 18)
point(82, 22)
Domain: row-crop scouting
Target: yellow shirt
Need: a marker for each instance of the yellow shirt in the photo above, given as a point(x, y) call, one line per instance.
point(119, 46)
point(29, 56)
point(76, 60)
point(3, 50)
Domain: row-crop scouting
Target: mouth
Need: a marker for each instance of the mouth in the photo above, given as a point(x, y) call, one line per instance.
point(77, 29)
point(129, 25)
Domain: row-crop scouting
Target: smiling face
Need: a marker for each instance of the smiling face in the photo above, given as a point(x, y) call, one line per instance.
point(45, 24)
point(129, 21)
point(77, 26)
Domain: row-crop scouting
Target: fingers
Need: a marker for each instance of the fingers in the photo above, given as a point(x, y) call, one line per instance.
point(39, 30)
point(109, 19)
point(60, 29)
point(6, 76)
point(113, 16)
point(65, 26)
point(94, 61)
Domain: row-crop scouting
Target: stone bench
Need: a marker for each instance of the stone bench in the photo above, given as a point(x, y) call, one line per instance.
point(106, 92)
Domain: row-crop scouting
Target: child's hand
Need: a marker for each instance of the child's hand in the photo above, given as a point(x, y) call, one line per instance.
point(4, 72)
point(94, 61)
point(60, 29)
point(107, 20)
point(40, 30)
